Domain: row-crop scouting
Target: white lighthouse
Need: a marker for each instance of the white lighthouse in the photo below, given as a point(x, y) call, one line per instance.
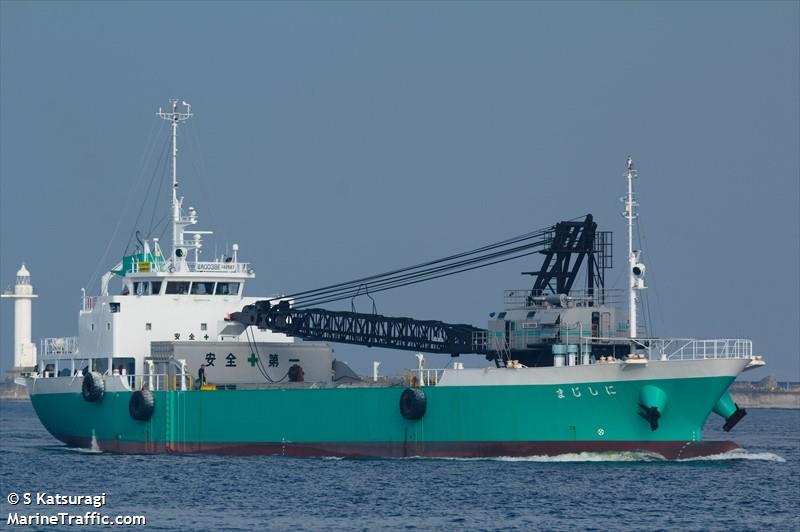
point(24, 349)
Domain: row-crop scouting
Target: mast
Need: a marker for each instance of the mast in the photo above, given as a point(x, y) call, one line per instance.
point(175, 117)
point(635, 267)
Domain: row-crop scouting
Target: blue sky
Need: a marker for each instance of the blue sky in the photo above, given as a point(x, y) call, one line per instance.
point(333, 140)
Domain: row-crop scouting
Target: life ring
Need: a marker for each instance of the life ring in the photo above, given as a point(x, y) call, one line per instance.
point(93, 387)
point(141, 405)
point(413, 403)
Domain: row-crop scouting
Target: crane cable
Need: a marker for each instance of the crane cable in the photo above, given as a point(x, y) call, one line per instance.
point(502, 251)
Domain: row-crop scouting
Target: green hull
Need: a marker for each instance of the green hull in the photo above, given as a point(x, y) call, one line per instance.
point(459, 420)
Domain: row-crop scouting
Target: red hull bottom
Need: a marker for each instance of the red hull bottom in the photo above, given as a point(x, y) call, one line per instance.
point(671, 450)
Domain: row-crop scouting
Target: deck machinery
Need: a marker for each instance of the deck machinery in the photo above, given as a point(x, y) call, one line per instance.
point(536, 326)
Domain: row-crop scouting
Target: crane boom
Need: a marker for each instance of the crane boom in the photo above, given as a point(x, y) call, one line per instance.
point(574, 239)
point(371, 330)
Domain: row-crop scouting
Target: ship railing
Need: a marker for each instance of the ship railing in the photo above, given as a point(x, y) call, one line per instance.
point(527, 298)
point(479, 341)
point(192, 266)
point(422, 377)
point(692, 349)
point(219, 266)
point(54, 348)
point(158, 382)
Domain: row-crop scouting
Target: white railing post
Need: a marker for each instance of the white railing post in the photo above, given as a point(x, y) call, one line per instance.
point(150, 375)
point(718, 348)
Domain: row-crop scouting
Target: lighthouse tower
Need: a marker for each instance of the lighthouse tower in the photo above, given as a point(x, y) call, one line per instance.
point(24, 350)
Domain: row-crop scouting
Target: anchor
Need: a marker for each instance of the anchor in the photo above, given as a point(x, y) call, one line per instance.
point(651, 415)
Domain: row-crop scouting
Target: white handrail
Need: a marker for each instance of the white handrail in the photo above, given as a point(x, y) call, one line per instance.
point(693, 349)
point(429, 377)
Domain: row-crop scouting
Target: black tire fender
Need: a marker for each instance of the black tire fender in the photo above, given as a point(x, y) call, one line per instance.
point(413, 404)
point(93, 387)
point(296, 373)
point(142, 405)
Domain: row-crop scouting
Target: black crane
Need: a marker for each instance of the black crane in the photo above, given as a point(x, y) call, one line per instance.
point(371, 330)
point(566, 247)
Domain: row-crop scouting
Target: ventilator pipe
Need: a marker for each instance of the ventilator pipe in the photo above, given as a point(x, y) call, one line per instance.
point(559, 350)
point(586, 354)
point(572, 355)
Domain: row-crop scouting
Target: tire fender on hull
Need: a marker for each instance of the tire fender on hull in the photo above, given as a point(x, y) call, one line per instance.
point(93, 387)
point(141, 405)
point(413, 404)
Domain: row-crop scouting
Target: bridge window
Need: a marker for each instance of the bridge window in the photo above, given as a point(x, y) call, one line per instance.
point(177, 287)
point(155, 287)
point(227, 289)
point(100, 365)
point(202, 288)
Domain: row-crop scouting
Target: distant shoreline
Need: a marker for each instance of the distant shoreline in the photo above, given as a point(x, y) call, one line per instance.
point(766, 393)
point(764, 399)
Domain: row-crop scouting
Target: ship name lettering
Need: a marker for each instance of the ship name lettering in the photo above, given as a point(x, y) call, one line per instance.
point(577, 392)
point(273, 360)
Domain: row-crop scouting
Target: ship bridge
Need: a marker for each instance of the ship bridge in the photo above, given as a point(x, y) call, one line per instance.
point(157, 293)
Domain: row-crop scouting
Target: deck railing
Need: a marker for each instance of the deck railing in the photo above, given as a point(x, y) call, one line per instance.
point(692, 349)
point(422, 377)
point(192, 266)
point(527, 298)
point(158, 382)
point(653, 348)
point(66, 347)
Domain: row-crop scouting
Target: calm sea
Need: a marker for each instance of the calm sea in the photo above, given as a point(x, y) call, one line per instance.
point(758, 489)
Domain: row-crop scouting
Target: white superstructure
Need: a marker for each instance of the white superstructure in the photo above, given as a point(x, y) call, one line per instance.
point(24, 349)
point(152, 296)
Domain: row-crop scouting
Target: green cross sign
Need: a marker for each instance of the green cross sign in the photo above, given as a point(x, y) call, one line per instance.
point(253, 359)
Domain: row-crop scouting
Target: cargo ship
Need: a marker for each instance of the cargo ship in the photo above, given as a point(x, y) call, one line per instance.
point(172, 357)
